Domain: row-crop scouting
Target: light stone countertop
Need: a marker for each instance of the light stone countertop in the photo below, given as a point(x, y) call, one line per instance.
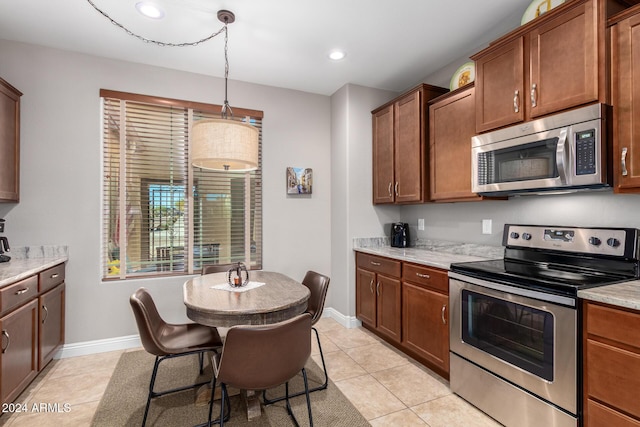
point(625, 294)
point(27, 261)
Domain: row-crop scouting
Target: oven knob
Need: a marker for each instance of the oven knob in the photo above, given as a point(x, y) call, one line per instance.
point(614, 243)
point(526, 236)
point(514, 235)
point(595, 241)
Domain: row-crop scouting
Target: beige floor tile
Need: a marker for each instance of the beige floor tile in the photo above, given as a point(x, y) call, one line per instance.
point(73, 389)
point(73, 416)
point(87, 365)
point(413, 385)
point(350, 338)
point(339, 365)
point(376, 357)
point(327, 345)
point(326, 324)
point(452, 411)
point(369, 396)
point(404, 418)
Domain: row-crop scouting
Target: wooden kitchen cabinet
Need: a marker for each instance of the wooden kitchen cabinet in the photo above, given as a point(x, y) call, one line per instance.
point(451, 126)
point(378, 294)
point(553, 63)
point(400, 133)
point(611, 366)
point(425, 315)
point(9, 142)
point(625, 63)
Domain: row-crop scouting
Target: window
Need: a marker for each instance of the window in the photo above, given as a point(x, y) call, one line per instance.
point(160, 215)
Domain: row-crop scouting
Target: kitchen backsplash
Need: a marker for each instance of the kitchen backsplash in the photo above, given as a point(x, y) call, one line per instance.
point(28, 252)
point(472, 249)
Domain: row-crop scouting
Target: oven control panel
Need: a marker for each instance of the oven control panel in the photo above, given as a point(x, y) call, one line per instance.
point(600, 241)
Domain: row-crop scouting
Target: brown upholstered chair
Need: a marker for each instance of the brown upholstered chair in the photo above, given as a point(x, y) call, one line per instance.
point(318, 285)
point(165, 340)
point(216, 268)
point(259, 357)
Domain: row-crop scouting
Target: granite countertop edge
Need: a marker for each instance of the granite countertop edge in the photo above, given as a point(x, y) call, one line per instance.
point(28, 261)
point(626, 295)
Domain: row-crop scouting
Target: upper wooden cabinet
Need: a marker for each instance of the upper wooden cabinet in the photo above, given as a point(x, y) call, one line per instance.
point(400, 132)
point(553, 63)
point(9, 142)
point(625, 62)
point(451, 126)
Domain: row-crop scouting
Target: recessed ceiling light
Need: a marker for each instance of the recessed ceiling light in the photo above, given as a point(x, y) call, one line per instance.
point(337, 55)
point(150, 10)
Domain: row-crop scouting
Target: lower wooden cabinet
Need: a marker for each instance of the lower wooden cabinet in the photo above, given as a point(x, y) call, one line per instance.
point(51, 327)
point(407, 305)
point(611, 366)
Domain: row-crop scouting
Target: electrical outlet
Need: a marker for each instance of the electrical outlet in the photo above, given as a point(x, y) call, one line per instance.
point(486, 226)
point(420, 223)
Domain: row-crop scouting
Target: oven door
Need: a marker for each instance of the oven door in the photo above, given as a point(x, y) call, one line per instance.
point(529, 342)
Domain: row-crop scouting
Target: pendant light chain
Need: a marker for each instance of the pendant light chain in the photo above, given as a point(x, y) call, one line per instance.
point(226, 108)
point(159, 43)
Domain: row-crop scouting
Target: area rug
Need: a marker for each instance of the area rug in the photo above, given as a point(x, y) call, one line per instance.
point(125, 397)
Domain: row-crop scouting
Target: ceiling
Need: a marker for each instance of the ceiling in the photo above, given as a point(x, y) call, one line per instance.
point(390, 44)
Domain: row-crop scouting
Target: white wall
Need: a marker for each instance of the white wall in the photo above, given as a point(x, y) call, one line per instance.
point(61, 174)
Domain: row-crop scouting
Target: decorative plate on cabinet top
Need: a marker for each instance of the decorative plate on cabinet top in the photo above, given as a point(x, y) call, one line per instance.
point(463, 75)
point(537, 8)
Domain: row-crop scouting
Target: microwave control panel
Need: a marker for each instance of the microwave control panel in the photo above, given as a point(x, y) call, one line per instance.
point(585, 152)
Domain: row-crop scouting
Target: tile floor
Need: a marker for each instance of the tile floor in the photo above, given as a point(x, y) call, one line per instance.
point(387, 387)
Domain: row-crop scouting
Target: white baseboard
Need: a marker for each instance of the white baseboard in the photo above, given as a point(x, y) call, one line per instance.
point(133, 341)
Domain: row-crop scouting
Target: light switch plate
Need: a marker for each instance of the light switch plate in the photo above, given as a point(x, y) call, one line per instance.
point(420, 223)
point(486, 226)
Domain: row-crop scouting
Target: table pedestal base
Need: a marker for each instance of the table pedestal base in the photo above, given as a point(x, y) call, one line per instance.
point(252, 403)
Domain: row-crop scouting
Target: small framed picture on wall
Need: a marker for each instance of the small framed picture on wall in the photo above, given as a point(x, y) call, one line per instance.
point(299, 180)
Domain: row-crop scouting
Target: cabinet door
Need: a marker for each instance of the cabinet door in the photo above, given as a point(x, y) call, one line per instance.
point(389, 307)
point(9, 142)
point(51, 331)
point(564, 61)
point(409, 149)
point(383, 179)
point(425, 329)
point(626, 98)
point(451, 126)
point(18, 358)
point(500, 93)
point(365, 296)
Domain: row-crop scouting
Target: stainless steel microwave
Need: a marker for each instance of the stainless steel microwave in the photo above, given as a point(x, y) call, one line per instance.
point(562, 152)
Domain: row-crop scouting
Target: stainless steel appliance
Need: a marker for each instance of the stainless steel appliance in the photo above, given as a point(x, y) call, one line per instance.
point(561, 152)
point(399, 234)
point(515, 333)
point(4, 244)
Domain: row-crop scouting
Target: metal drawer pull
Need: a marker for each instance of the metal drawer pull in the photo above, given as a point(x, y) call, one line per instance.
point(516, 101)
point(624, 162)
point(46, 312)
point(396, 188)
point(378, 288)
point(534, 95)
point(390, 194)
point(444, 308)
point(22, 291)
point(375, 263)
point(371, 286)
point(54, 275)
point(6, 334)
point(424, 276)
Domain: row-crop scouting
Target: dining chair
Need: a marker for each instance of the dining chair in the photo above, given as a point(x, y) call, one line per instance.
point(318, 285)
point(258, 357)
point(165, 340)
point(216, 268)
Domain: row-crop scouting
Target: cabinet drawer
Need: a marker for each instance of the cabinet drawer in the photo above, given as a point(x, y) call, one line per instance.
point(51, 277)
point(613, 376)
point(378, 264)
point(13, 296)
point(599, 415)
point(614, 324)
point(430, 277)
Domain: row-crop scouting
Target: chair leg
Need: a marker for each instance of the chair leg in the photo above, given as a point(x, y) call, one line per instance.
point(322, 386)
point(306, 389)
point(201, 361)
point(288, 404)
point(223, 394)
point(151, 393)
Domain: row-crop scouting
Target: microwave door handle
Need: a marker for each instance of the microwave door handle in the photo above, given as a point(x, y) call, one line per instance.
point(561, 155)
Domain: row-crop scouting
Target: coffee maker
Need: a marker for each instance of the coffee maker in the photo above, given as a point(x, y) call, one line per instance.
point(4, 244)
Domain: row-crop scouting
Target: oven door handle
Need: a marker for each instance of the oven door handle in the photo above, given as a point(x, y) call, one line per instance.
point(561, 155)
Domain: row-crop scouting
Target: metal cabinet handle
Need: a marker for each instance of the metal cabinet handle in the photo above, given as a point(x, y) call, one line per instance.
point(390, 194)
point(444, 308)
point(624, 162)
point(534, 95)
point(516, 101)
point(46, 313)
point(378, 288)
point(54, 276)
point(396, 188)
point(22, 291)
point(375, 263)
point(371, 286)
point(6, 334)
point(424, 276)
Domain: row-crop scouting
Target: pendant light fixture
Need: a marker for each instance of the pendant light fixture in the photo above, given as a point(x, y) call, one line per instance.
point(224, 144)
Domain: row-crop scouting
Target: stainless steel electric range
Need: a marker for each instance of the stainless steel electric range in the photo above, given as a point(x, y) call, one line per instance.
point(515, 322)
